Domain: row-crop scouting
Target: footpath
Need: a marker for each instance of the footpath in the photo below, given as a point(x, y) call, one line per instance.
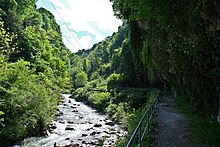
point(172, 129)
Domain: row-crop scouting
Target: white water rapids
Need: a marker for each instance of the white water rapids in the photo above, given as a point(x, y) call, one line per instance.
point(77, 124)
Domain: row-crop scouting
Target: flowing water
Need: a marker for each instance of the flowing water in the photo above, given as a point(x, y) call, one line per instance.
point(77, 124)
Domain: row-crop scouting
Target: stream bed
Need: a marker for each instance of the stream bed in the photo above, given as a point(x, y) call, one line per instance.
point(77, 125)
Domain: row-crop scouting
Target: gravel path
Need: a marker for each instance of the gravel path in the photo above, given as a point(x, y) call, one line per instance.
point(172, 128)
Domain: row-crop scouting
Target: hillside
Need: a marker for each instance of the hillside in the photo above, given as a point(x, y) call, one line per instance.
point(33, 69)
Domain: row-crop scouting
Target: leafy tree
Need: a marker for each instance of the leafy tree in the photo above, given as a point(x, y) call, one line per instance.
point(81, 79)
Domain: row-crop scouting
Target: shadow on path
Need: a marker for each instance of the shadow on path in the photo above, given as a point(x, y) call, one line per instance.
point(172, 128)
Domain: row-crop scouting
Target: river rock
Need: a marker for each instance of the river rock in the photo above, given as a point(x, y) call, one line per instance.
point(70, 122)
point(84, 122)
point(97, 125)
point(94, 142)
point(105, 131)
point(120, 134)
point(80, 117)
point(52, 126)
point(61, 121)
point(112, 132)
point(110, 123)
point(84, 135)
point(84, 142)
point(59, 113)
point(75, 110)
point(70, 128)
point(93, 133)
point(73, 107)
point(55, 144)
point(89, 129)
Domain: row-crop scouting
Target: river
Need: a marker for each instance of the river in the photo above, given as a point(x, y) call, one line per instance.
point(77, 124)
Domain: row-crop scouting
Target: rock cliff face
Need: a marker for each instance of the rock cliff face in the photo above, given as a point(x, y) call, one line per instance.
point(143, 25)
point(177, 43)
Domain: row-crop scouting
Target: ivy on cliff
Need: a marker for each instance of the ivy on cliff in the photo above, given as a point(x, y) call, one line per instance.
point(179, 45)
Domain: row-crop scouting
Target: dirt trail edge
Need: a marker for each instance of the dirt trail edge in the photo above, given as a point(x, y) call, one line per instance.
point(172, 129)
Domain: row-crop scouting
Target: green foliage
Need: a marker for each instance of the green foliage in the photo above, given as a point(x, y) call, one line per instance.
point(6, 41)
point(174, 44)
point(204, 128)
point(5, 48)
point(99, 100)
point(114, 81)
point(111, 109)
point(29, 103)
point(132, 118)
point(104, 58)
point(33, 69)
point(95, 75)
point(143, 10)
point(122, 113)
point(81, 79)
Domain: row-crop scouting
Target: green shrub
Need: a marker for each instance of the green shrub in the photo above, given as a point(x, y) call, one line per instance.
point(81, 79)
point(99, 100)
point(95, 75)
point(111, 109)
point(114, 81)
point(29, 102)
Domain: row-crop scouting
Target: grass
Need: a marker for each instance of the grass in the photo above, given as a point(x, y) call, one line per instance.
point(205, 129)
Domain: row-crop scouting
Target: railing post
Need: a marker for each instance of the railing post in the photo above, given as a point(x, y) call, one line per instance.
point(140, 136)
point(147, 123)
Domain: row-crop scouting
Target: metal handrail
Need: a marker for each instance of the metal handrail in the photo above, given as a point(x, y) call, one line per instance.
point(148, 113)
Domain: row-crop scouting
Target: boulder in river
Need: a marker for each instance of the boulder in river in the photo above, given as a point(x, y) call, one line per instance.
point(70, 122)
point(84, 135)
point(110, 123)
point(70, 128)
point(55, 144)
point(62, 121)
point(52, 126)
point(73, 107)
point(97, 125)
point(93, 133)
point(59, 113)
point(94, 142)
point(84, 142)
point(75, 110)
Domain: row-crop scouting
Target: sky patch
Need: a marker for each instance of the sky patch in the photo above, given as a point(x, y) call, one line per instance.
point(89, 21)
